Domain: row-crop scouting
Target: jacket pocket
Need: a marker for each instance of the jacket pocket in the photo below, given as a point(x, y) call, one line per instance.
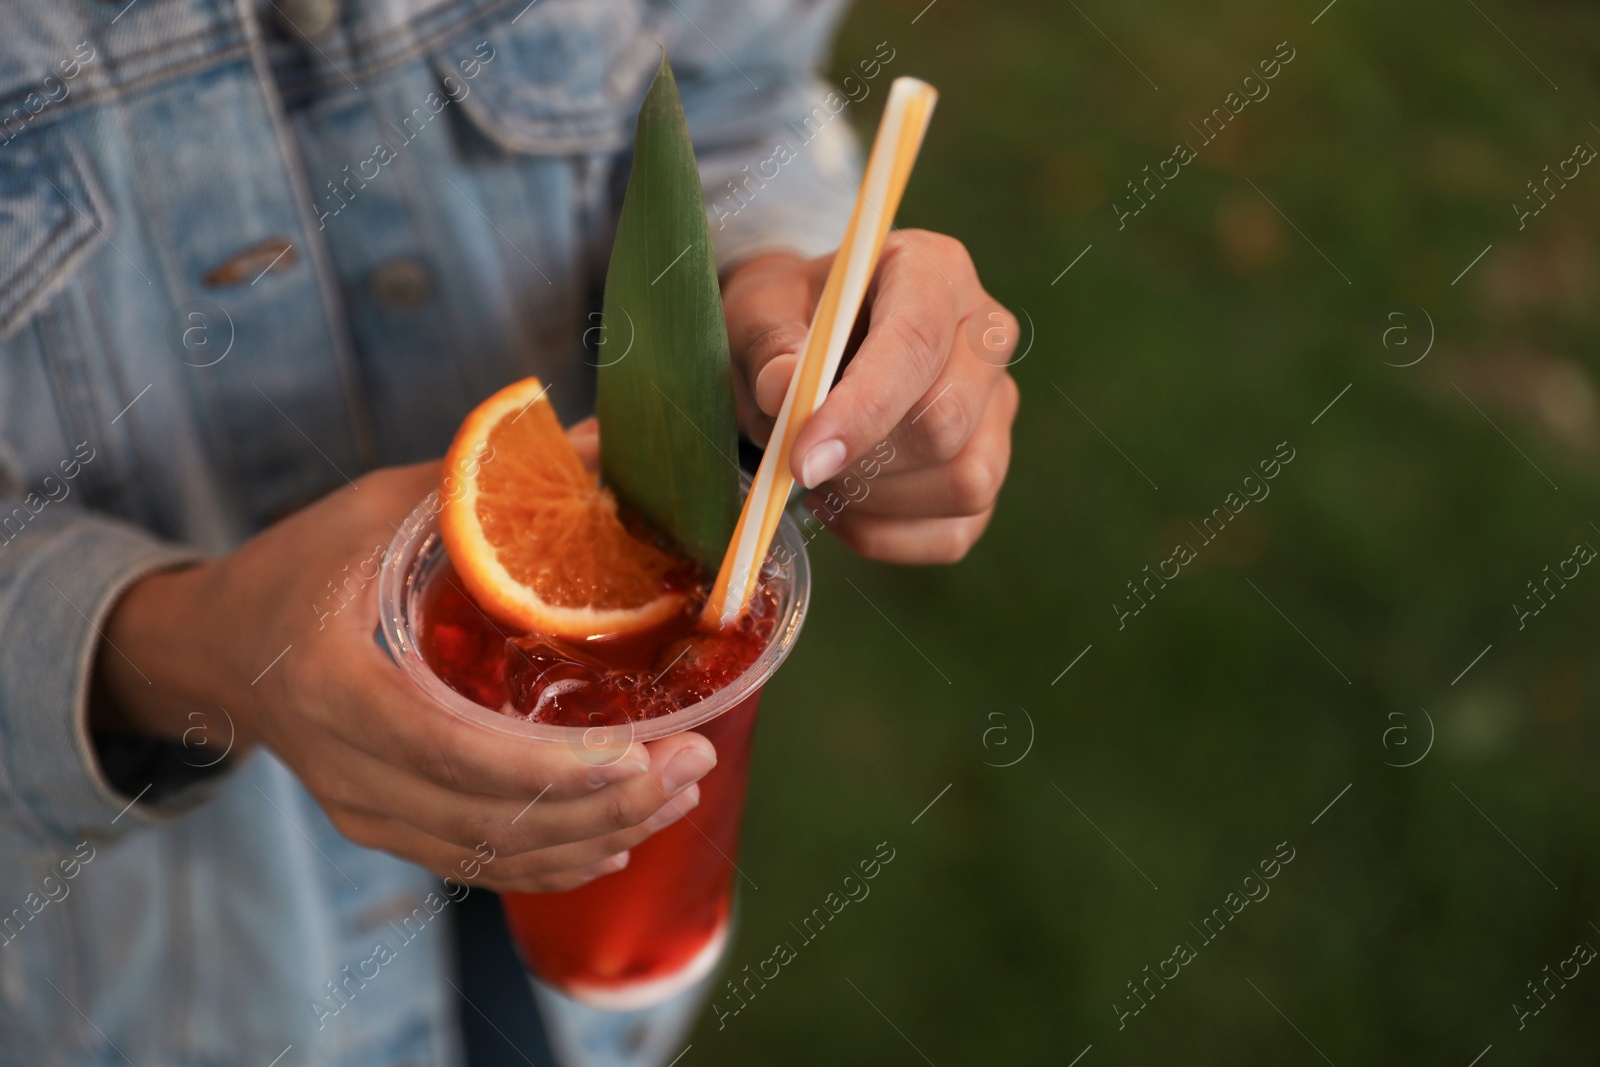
point(562, 78)
point(52, 216)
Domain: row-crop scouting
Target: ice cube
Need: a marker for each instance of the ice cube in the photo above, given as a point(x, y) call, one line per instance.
point(539, 672)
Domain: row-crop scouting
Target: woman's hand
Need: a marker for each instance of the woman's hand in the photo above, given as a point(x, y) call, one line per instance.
point(929, 378)
point(391, 770)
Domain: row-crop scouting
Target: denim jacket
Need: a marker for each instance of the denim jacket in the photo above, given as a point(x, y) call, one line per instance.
point(249, 249)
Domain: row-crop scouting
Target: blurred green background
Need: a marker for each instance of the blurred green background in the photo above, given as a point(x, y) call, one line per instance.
point(1212, 727)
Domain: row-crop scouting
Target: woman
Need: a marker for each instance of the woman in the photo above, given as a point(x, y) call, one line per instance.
point(255, 259)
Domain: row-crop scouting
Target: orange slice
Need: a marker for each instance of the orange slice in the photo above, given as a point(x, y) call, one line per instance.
point(536, 540)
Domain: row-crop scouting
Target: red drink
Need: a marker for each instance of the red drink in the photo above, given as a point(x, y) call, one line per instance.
point(664, 917)
point(658, 925)
point(599, 682)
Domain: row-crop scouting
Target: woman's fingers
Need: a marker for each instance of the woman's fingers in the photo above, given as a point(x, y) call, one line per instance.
point(943, 420)
point(768, 303)
point(585, 437)
point(926, 393)
point(547, 871)
point(967, 484)
point(373, 707)
point(626, 811)
point(911, 540)
point(924, 288)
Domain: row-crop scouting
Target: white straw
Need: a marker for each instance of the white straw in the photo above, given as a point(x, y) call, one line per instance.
point(894, 151)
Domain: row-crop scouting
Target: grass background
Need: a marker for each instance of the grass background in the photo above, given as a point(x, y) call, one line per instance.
point(1209, 730)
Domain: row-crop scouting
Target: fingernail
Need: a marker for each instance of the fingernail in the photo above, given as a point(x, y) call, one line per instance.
point(691, 764)
point(620, 771)
point(609, 865)
point(674, 809)
point(822, 462)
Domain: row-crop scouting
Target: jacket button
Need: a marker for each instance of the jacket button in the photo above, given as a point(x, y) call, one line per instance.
point(399, 284)
point(306, 18)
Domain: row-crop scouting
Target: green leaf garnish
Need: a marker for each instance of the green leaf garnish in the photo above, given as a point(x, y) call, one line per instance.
point(668, 428)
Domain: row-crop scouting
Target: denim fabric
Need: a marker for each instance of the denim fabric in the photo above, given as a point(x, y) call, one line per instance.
point(441, 178)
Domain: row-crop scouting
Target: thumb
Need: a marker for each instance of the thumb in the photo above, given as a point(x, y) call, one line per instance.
point(768, 302)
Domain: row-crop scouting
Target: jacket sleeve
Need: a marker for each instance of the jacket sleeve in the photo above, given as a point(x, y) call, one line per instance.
point(61, 571)
point(779, 162)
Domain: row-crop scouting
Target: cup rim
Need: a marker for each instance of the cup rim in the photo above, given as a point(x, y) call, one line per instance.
point(417, 546)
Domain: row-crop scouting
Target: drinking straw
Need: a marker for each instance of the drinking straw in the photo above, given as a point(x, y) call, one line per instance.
point(894, 150)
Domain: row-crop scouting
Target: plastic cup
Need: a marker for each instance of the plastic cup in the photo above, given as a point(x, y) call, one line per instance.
point(638, 937)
